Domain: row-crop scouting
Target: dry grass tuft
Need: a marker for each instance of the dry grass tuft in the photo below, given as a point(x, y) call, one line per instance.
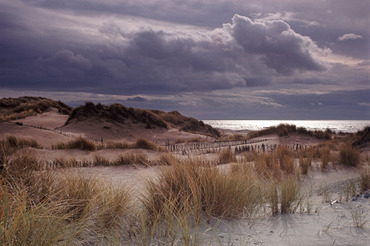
point(272, 196)
point(286, 159)
point(20, 168)
point(267, 166)
point(117, 145)
point(142, 143)
point(16, 142)
point(226, 156)
point(100, 161)
point(289, 195)
point(305, 165)
point(167, 159)
point(349, 156)
point(61, 209)
point(203, 190)
point(132, 159)
point(78, 143)
point(365, 179)
point(325, 157)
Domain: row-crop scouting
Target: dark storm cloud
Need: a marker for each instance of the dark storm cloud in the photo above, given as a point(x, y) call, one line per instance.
point(139, 49)
point(323, 20)
point(148, 61)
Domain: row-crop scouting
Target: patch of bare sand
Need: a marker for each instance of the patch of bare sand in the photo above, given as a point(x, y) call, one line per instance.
point(49, 120)
point(43, 136)
point(333, 225)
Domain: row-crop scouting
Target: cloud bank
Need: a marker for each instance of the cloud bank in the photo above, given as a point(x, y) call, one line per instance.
point(186, 55)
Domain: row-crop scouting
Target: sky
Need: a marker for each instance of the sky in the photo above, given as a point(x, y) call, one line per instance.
point(209, 59)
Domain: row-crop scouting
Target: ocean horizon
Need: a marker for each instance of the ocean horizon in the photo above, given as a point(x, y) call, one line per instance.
point(348, 126)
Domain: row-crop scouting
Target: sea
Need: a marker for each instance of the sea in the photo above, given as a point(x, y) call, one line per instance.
point(349, 126)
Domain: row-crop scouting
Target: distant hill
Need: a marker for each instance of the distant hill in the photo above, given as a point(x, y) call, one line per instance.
point(18, 108)
point(149, 119)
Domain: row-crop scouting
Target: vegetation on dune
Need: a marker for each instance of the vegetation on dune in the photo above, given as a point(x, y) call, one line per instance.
point(187, 124)
point(78, 143)
point(18, 142)
point(47, 207)
point(119, 114)
point(285, 129)
point(202, 190)
point(226, 156)
point(41, 207)
point(349, 156)
point(365, 178)
point(18, 108)
point(142, 143)
point(85, 144)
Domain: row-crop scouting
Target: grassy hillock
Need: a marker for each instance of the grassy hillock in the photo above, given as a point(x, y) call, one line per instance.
point(187, 124)
point(285, 129)
point(116, 113)
point(119, 114)
point(18, 108)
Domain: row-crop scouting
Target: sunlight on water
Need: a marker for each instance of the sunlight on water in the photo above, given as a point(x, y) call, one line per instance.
point(255, 125)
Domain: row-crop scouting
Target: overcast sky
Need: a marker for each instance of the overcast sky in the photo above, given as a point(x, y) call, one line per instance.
point(210, 59)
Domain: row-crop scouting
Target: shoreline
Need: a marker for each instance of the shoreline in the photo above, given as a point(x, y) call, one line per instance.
point(256, 125)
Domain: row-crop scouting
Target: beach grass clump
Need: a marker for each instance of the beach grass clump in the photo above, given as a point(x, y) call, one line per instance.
point(132, 159)
point(304, 165)
point(286, 159)
point(95, 203)
point(62, 209)
point(167, 159)
point(290, 194)
point(20, 168)
point(118, 145)
point(100, 161)
point(349, 156)
point(82, 144)
point(365, 178)
point(312, 152)
point(16, 142)
point(5, 152)
point(325, 157)
point(267, 166)
point(226, 156)
point(25, 223)
point(143, 143)
point(203, 190)
point(272, 195)
point(78, 143)
point(112, 207)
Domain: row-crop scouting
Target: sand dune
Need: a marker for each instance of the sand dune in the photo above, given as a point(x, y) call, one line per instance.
point(329, 222)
